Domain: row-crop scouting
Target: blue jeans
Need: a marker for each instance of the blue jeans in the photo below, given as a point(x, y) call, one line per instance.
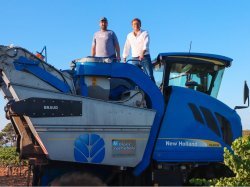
point(145, 64)
point(113, 57)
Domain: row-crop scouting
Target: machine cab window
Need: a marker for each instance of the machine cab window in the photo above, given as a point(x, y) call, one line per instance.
point(200, 72)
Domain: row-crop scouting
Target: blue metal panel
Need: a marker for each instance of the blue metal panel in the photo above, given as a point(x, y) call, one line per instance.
point(32, 67)
point(84, 89)
point(23, 60)
point(133, 73)
point(92, 68)
point(184, 139)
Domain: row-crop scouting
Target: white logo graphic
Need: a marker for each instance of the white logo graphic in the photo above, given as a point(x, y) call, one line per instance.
point(46, 107)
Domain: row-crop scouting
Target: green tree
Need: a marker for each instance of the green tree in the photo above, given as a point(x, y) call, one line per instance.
point(8, 136)
point(2, 140)
point(238, 161)
point(9, 156)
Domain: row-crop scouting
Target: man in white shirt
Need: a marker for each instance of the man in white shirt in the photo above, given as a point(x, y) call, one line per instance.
point(138, 41)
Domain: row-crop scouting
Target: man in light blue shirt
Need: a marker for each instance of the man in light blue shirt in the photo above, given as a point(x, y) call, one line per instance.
point(105, 42)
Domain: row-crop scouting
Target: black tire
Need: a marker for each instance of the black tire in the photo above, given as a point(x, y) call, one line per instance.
point(77, 179)
point(211, 171)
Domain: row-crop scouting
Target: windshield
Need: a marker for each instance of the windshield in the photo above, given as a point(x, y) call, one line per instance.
point(203, 77)
point(158, 74)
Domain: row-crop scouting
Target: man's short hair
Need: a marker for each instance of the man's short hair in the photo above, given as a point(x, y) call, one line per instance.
point(136, 19)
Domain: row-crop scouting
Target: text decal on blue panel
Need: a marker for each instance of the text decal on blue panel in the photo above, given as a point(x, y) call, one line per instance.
point(190, 143)
point(89, 148)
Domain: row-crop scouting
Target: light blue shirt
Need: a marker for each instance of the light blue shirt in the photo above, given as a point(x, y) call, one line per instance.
point(105, 42)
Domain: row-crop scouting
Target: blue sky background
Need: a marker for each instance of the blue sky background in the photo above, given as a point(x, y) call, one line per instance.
point(67, 27)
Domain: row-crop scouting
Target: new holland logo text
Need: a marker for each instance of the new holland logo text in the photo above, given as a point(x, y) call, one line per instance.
point(175, 142)
point(48, 107)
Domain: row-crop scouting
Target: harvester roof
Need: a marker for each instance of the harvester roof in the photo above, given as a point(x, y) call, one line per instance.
point(195, 58)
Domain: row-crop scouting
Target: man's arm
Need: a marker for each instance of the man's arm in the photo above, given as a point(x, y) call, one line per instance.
point(142, 55)
point(145, 46)
point(93, 50)
point(117, 48)
point(126, 50)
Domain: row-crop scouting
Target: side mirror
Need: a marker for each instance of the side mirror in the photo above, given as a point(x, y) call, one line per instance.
point(245, 97)
point(246, 93)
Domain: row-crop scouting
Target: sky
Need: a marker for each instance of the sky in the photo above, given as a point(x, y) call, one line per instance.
point(66, 28)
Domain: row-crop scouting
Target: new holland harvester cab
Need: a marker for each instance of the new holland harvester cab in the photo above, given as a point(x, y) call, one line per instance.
point(110, 121)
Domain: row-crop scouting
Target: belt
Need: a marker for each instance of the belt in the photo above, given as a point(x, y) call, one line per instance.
point(147, 55)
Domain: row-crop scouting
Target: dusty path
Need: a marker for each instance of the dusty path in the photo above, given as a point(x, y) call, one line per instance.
point(16, 177)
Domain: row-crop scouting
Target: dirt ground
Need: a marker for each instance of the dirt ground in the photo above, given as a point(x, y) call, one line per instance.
point(14, 176)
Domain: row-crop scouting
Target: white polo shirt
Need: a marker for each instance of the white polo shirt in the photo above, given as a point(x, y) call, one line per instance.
point(137, 44)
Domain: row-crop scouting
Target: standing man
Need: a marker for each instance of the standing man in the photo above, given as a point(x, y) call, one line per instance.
point(138, 41)
point(105, 42)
